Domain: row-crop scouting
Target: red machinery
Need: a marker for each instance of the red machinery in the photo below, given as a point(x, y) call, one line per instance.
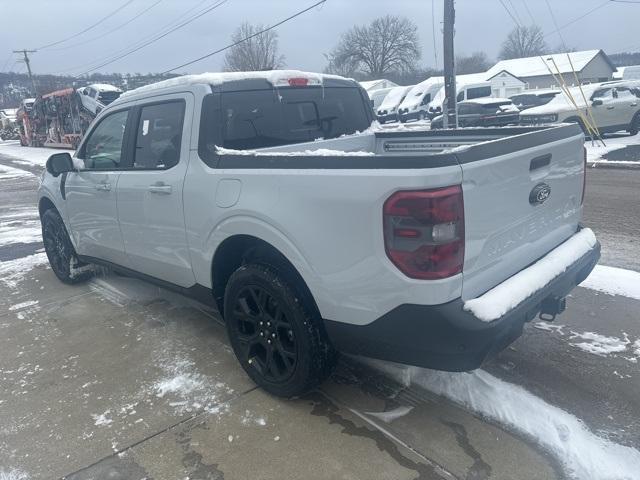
point(56, 119)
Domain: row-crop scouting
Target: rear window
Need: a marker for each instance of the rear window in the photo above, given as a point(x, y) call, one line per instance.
point(252, 119)
point(478, 92)
point(107, 97)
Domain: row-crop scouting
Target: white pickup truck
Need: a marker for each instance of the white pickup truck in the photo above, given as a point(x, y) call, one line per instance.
point(270, 195)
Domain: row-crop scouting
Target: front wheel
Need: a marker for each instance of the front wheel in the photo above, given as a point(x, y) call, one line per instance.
point(276, 335)
point(60, 252)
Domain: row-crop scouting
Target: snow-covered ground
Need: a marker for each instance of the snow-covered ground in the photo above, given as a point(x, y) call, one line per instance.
point(29, 155)
point(582, 453)
point(596, 150)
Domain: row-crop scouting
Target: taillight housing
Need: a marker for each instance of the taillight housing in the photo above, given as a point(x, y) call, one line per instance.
point(584, 175)
point(424, 232)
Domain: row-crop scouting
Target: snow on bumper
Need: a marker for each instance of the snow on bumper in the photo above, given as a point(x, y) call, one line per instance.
point(504, 297)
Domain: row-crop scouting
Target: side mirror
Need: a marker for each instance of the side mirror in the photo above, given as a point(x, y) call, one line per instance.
point(596, 102)
point(59, 163)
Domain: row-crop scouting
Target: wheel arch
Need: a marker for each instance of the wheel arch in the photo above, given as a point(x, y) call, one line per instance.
point(240, 249)
point(44, 204)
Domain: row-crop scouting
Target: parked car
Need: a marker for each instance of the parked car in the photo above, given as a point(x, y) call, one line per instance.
point(534, 98)
point(614, 106)
point(96, 96)
point(8, 117)
point(484, 112)
point(388, 110)
point(248, 191)
point(416, 104)
point(467, 91)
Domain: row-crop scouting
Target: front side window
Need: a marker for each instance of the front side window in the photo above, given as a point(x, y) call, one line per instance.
point(159, 136)
point(103, 148)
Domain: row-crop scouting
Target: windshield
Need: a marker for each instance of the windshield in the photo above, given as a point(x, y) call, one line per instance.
point(252, 119)
point(528, 100)
point(394, 97)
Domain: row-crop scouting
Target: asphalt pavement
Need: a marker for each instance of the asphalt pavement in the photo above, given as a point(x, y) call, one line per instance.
point(118, 379)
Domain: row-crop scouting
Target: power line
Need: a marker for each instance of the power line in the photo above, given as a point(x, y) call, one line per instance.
point(555, 23)
point(115, 29)
point(245, 39)
point(220, 3)
point(510, 14)
point(6, 62)
point(589, 12)
point(88, 28)
point(526, 6)
point(515, 12)
point(159, 31)
point(433, 31)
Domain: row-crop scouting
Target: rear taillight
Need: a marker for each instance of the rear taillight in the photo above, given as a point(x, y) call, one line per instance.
point(424, 232)
point(584, 176)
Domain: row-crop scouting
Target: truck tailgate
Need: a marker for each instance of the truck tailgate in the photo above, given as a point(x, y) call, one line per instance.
point(522, 198)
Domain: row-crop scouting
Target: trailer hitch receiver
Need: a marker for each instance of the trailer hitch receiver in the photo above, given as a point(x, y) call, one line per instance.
point(552, 306)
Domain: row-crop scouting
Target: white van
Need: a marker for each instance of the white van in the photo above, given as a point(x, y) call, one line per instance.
point(467, 91)
point(388, 110)
point(378, 96)
point(416, 103)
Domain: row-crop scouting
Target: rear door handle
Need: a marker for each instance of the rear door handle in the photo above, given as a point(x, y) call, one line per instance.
point(160, 189)
point(103, 186)
point(610, 107)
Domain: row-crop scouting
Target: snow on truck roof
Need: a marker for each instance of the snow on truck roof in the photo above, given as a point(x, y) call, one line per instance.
point(104, 87)
point(274, 77)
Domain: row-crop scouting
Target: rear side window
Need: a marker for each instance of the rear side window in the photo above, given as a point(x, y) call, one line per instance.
point(159, 135)
point(266, 118)
point(468, 109)
point(478, 92)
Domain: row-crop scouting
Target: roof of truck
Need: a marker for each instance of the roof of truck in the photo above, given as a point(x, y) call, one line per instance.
point(275, 77)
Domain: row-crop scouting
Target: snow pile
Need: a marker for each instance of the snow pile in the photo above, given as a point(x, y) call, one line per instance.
point(614, 281)
point(189, 390)
point(510, 293)
point(32, 155)
point(391, 415)
point(582, 453)
point(12, 272)
point(20, 225)
point(12, 173)
point(103, 419)
point(320, 152)
point(596, 150)
point(13, 474)
point(599, 344)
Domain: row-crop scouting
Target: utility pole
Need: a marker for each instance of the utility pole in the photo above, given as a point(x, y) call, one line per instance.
point(26, 53)
point(449, 109)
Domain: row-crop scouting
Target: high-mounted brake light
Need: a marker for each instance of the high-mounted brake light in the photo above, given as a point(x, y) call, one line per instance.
point(424, 232)
point(297, 81)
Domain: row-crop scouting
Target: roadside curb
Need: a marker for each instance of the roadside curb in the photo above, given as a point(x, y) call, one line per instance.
point(614, 165)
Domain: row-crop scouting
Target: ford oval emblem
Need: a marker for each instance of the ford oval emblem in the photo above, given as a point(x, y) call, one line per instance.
point(539, 194)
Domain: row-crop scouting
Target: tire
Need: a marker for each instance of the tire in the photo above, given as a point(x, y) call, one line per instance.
point(634, 128)
point(421, 116)
point(60, 252)
point(277, 336)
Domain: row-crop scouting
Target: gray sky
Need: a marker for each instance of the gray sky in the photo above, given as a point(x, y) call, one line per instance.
point(481, 25)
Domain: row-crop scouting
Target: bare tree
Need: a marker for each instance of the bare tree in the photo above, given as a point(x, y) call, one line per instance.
point(258, 52)
point(524, 42)
point(388, 44)
point(475, 63)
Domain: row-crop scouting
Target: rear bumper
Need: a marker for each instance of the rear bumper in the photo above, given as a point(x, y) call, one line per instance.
point(406, 116)
point(446, 337)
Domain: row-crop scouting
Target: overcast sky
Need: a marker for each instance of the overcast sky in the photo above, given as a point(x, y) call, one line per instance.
point(480, 25)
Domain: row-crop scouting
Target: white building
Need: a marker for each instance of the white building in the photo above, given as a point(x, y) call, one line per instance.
point(503, 83)
point(590, 66)
point(373, 85)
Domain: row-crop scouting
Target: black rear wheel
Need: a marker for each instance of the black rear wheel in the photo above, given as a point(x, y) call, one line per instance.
point(634, 128)
point(60, 252)
point(277, 337)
